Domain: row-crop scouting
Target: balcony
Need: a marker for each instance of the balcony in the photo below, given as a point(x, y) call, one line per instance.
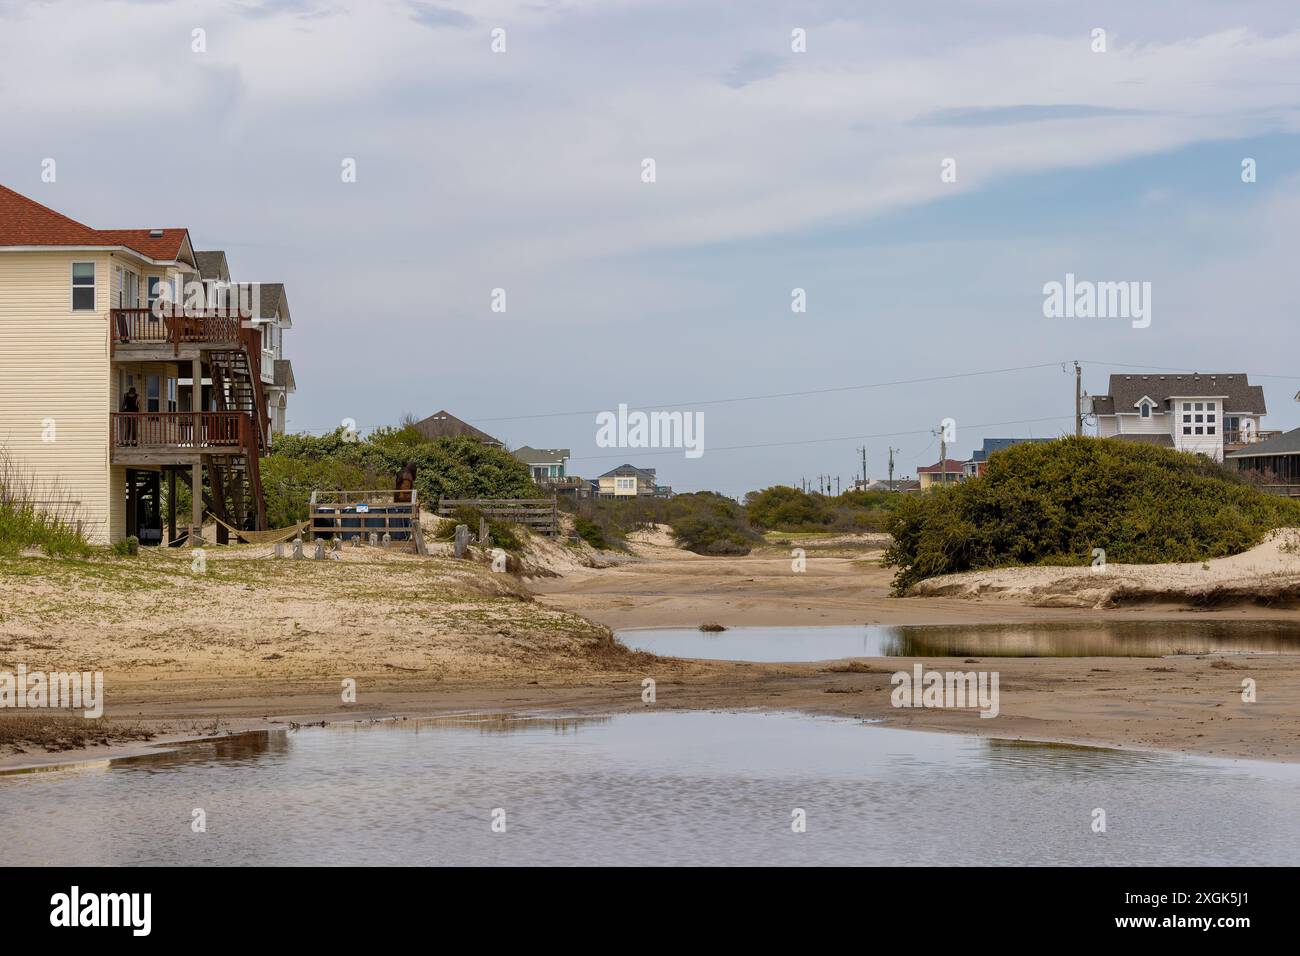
point(140, 335)
point(168, 438)
point(1234, 439)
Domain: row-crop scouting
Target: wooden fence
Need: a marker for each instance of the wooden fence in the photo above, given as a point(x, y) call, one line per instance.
point(353, 514)
point(537, 514)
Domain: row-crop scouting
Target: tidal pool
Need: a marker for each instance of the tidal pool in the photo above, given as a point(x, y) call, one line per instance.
point(1109, 639)
point(675, 788)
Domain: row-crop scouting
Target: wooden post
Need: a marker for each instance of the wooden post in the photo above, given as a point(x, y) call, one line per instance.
point(171, 505)
point(462, 540)
point(196, 483)
point(196, 504)
point(482, 530)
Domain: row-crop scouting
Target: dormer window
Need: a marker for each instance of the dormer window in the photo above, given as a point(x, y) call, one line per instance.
point(1145, 409)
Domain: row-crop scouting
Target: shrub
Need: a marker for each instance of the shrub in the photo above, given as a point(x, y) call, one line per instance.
point(447, 468)
point(501, 534)
point(782, 508)
point(703, 522)
point(590, 532)
point(33, 515)
point(1053, 503)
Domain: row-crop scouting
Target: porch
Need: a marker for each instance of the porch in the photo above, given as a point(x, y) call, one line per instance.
point(163, 438)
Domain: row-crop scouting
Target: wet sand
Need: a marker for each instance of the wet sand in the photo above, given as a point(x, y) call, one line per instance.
point(278, 655)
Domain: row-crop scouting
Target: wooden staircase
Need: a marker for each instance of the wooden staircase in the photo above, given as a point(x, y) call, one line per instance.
point(237, 387)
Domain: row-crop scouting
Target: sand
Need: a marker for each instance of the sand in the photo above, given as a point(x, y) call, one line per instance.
point(255, 642)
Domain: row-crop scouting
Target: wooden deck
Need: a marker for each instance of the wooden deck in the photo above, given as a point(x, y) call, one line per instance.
point(173, 438)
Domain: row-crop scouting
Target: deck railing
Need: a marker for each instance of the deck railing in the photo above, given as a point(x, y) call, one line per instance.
point(180, 429)
point(1242, 437)
point(174, 328)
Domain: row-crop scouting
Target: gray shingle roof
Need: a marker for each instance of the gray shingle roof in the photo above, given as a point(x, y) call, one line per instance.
point(1288, 443)
point(629, 471)
point(540, 456)
point(443, 424)
point(1145, 438)
point(212, 265)
point(1127, 390)
point(283, 371)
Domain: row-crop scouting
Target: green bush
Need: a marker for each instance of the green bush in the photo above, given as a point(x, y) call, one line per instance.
point(447, 468)
point(590, 532)
point(36, 517)
point(501, 534)
point(782, 508)
point(703, 522)
point(1053, 503)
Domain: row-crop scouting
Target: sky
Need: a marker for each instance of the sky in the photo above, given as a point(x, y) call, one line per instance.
point(774, 170)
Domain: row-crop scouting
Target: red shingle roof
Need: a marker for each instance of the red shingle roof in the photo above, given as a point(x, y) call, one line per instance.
point(953, 467)
point(25, 222)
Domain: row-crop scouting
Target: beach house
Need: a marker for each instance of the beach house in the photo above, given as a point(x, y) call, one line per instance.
point(626, 481)
point(941, 473)
point(1206, 413)
point(126, 360)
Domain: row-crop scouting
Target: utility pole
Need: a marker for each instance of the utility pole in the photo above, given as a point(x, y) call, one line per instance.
point(863, 449)
point(837, 486)
point(891, 467)
point(943, 455)
point(1078, 399)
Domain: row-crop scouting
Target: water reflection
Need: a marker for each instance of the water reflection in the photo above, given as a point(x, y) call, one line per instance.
point(1107, 639)
point(231, 750)
point(654, 787)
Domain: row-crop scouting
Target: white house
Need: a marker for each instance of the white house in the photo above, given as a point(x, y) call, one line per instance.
point(1202, 413)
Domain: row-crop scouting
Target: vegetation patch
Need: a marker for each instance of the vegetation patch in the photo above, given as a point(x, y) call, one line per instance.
point(33, 515)
point(1055, 502)
point(445, 468)
point(57, 732)
point(791, 510)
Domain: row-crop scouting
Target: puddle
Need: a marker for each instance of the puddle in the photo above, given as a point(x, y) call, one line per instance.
point(1110, 639)
point(667, 788)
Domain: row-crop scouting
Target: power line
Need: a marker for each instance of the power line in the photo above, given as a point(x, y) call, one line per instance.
point(677, 452)
point(810, 391)
point(831, 390)
point(755, 398)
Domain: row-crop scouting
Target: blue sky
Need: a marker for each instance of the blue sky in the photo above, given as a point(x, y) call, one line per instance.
point(775, 170)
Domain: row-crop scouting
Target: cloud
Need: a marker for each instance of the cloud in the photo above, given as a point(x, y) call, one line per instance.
point(751, 68)
point(432, 15)
point(1021, 113)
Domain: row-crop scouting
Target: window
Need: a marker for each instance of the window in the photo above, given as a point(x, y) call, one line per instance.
point(1200, 407)
point(151, 293)
point(1187, 406)
point(83, 287)
point(1209, 430)
point(151, 393)
point(1146, 409)
point(171, 394)
point(1209, 406)
point(1187, 429)
point(1200, 430)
